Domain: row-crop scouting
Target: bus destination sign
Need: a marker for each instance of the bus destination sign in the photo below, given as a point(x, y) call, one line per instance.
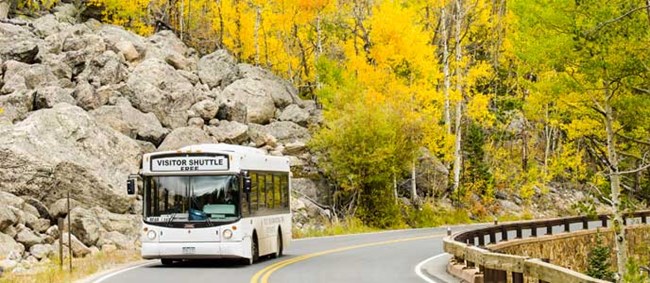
point(189, 163)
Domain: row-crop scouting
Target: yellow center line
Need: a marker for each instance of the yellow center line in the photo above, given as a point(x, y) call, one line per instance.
point(263, 275)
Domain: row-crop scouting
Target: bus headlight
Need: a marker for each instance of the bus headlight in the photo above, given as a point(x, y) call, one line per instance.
point(227, 234)
point(151, 234)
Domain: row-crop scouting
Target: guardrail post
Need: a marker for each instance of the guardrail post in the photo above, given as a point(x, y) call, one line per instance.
point(644, 219)
point(481, 240)
point(493, 237)
point(517, 277)
point(603, 220)
point(533, 231)
point(494, 276)
point(567, 228)
point(585, 223)
point(504, 234)
point(519, 232)
point(549, 230)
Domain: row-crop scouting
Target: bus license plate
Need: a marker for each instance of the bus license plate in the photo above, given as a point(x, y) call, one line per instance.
point(189, 250)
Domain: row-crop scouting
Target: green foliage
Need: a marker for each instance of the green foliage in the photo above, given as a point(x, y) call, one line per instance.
point(635, 273)
point(599, 261)
point(430, 215)
point(349, 225)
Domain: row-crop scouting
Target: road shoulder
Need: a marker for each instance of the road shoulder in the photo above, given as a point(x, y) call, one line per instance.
point(101, 276)
point(434, 269)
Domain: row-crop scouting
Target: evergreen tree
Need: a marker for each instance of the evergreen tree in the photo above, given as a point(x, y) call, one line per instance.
point(598, 260)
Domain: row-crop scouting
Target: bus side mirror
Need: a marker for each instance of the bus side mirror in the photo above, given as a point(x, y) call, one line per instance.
point(247, 184)
point(130, 186)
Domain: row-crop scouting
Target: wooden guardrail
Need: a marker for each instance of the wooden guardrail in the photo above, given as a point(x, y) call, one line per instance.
point(469, 247)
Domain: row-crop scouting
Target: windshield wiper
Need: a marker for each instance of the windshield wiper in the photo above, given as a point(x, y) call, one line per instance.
point(169, 222)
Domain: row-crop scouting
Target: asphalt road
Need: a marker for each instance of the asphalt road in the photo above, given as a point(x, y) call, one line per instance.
point(377, 257)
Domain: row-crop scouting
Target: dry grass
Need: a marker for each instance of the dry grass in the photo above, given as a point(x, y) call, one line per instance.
point(81, 268)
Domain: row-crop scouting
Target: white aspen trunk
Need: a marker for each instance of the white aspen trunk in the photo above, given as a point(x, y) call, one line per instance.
point(615, 186)
point(319, 51)
point(4, 9)
point(445, 68)
point(181, 19)
point(459, 104)
point(414, 189)
point(258, 17)
point(547, 147)
point(395, 187)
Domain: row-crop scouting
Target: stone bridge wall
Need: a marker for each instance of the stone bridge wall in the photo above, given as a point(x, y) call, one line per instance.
point(571, 250)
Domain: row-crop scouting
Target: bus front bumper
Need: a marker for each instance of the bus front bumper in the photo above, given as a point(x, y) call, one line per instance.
point(196, 250)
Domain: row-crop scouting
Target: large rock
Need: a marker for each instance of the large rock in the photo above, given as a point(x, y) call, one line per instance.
point(78, 248)
point(164, 44)
point(19, 76)
point(90, 225)
point(63, 149)
point(41, 251)
point(48, 25)
point(217, 69)
point(47, 97)
point(287, 132)
point(129, 121)
point(131, 45)
point(7, 217)
point(17, 105)
point(43, 211)
point(105, 69)
point(18, 43)
point(252, 93)
point(293, 113)
point(229, 132)
point(206, 109)
point(232, 111)
point(185, 136)
point(9, 246)
point(59, 208)
point(28, 238)
point(116, 238)
point(281, 91)
point(156, 87)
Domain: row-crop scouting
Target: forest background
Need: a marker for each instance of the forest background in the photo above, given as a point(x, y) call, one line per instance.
point(508, 96)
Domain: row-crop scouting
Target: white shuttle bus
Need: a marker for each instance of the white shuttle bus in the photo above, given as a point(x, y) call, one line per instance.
point(214, 201)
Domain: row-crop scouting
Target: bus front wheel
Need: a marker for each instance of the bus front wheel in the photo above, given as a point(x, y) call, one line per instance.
point(255, 254)
point(279, 245)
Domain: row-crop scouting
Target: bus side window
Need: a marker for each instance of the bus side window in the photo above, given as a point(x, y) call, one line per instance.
point(254, 195)
point(277, 192)
point(269, 191)
point(285, 191)
point(261, 179)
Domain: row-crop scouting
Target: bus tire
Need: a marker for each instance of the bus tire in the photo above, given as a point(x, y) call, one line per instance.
point(255, 251)
point(278, 252)
point(166, 261)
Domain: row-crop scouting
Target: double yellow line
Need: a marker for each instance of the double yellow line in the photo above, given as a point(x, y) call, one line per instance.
point(263, 275)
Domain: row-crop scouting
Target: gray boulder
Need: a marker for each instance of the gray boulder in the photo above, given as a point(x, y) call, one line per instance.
point(59, 208)
point(28, 238)
point(232, 110)
point(287, 132)
point(116, 238)
point(259, 105)
point(84, 225)
point(17, 105)
point(217, 69)
point(9, 246)
point(7, 217)
point(43, 211)
point(163, 44)
point(91, 225)
point(47, 97)
point(206, 109)
point(18, 43)
point(47, 25)
point(229, 132)
point(41, 251)
point(105, 69)
point(129, 44)
point(129, 121)
point(293, 113)
point(281, 91)
point(19, 76)
point(74, 150)
point(157, 88)
point(259, 136)
point(185, 136)
point(78, 248)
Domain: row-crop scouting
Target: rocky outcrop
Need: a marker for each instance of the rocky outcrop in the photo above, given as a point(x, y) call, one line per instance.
point(74, 150)
point(81, 102)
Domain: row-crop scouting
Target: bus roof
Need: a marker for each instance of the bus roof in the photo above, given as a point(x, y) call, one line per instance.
point(241, 157)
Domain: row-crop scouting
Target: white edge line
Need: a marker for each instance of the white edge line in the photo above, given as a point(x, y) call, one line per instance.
point(418, 268)
point(120, 271)
point(391, 231)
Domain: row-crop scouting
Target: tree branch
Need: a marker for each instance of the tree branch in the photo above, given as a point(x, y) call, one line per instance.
point(605, 23)
point(639, 169)
point(633, 139)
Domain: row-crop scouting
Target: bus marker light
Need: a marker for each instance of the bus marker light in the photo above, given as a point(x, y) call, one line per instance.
point(234, 228)
point(145, 229)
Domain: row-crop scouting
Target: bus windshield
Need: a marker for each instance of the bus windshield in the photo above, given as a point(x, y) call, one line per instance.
point(184, 199)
